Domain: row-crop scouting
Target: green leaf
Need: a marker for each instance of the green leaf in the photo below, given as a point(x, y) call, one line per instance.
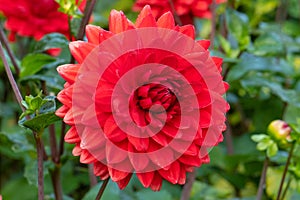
point(272, 150)
point(52, 81)
point(237, 24)
point(21, 144)
point(249, 63)
point(40, 122)
point(52, 40)
point(33, 63)
point(42, 113)
point(259, 137)
point(291, 114)
point(286, 95)
point(264, 144)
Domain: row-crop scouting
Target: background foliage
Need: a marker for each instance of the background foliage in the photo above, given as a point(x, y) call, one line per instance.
point(260, 43)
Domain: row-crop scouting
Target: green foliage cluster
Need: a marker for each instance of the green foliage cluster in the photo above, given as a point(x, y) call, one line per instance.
point(260, 43)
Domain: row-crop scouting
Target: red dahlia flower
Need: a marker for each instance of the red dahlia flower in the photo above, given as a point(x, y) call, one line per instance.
point(33, 18)
point(144, 98)
point(185, 9)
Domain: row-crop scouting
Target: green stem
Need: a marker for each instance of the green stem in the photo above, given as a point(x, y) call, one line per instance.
point(55, 177)
point(40, 156)
point(102, 188)
point(213, 24)
point(176, 16)
point(9, 51)
point(186, 192)
point(11, 78)
point(286, 188)
point(262, 179)
point(86, 17)
point(285, 171)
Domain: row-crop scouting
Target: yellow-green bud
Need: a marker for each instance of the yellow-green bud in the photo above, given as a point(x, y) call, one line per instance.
point(280, 131)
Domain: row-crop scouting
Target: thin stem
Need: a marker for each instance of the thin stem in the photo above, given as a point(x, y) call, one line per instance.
point(286, 188)
point(9, 51)
point(61, 140)
point(11, 78)
point(213, 24)
point(55, 177)
point(176, 16)
point(285, 171)
point(87, 14)
point(53, 145)
point(102, 188)
point(262, 180)
point(186, 192)
point(39, 148)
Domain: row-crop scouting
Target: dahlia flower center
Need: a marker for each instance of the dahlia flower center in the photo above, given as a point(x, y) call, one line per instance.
point(152, 101)
point(152, 94)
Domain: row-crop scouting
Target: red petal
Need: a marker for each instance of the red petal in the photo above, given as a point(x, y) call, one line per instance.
point(80, 50)
point(118, 22)
point(72, 136)
point(124, 182)
point(190, 160)
point(218, 61)
point(156, 182)
point(171, 175)
point(113, 132)
point(101, 170)
point(160, 138)
point(86, 157)
point(182, 176)
point(146, 178)
point(145, 18)
point(104, 35)
point(117, 175)
point(113, 153)
point(138, 161)
point(163, 159)
point(188, 30)
point(76, 150)
point(61, 112)
point(92, 33)
point(140, 144)
point(166, 21)
point(204, 43)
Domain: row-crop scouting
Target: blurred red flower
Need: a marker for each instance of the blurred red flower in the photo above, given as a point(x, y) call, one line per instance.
point(33, 18)
point(185, 9)
point(141, 101)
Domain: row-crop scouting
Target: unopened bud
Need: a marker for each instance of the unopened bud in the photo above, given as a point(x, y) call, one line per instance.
point(280, 131)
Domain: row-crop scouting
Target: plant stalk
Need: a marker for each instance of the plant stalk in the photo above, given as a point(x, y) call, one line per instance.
point(186, 192)
point(285, 171)
point(262, 179)
point(9, 51)
point(40, 156)
point(11, 78)
point(102, 188)
point(87, 15)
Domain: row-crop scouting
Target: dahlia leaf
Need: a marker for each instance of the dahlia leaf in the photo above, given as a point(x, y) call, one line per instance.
point(42, 112)
point(33, 63)
point(237, 24)
point(52, 40)
point(40, 122)
point(272, 150)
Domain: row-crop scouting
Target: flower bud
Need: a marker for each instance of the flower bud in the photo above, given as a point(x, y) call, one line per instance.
point(280, 131)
